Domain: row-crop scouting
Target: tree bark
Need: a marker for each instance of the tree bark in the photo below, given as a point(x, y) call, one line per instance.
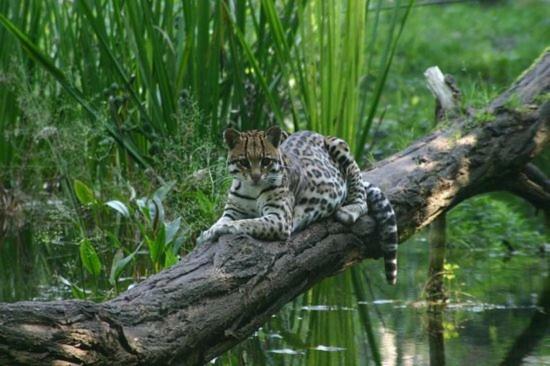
point(221, 292)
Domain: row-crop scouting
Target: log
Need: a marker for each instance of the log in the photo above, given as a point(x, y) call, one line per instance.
point(217, 295)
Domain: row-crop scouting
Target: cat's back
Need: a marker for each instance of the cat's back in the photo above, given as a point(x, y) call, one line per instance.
point(306, 146)
point(308, 159)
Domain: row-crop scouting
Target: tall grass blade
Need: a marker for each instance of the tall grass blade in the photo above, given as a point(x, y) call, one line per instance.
point(101, 36)
point(42, 59)
point(258, 73)
point(35, 54)
point(387, 59)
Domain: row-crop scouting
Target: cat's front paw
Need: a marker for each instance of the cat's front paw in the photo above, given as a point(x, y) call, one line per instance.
point(213, 233)
point(350, 213)
point(204, 237)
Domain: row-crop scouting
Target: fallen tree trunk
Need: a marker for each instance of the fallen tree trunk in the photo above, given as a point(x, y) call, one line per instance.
point(221, 292)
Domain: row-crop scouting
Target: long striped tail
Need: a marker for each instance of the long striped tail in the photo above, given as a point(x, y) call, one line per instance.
point(380, 208)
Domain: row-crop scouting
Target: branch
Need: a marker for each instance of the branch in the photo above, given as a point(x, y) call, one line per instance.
point(221, 292)
point(529, 190)
point(538, 177)
point(446, 93)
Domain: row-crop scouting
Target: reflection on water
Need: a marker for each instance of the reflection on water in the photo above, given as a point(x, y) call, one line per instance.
point(31, 261)
point(436, 335)
point(355, 318)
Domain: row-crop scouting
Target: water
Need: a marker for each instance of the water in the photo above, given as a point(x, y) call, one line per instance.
point(355, 318)
point(492, 301)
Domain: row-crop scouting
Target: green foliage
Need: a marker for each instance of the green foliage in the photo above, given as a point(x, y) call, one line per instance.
point(161, 236)
point(514, 102)
point(84, 193)
point(42, 59)
point(119, 207)
point(484, 57)
point(492, 222)
point(89, 258)
point(271, 71)
point(151, 87)
point(119, 229)
point(326, 77)
point(119, 263)
point(484, 116)
point(77, 292)
point(543, 98)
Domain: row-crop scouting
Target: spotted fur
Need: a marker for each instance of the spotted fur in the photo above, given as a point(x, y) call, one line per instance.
point(282, 183)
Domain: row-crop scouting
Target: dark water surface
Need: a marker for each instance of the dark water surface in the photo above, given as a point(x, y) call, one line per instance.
point(355, 318)
point(492, 314)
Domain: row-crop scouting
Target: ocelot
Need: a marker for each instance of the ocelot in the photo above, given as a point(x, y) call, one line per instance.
point(282, 183)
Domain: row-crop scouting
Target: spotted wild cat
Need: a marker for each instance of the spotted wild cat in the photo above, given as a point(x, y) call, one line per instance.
point(282, 183)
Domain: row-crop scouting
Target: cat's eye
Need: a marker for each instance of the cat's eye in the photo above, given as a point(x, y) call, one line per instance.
point(244, 163)
point(266, 162)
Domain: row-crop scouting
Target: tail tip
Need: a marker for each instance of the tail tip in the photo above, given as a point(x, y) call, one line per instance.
point(390, 267)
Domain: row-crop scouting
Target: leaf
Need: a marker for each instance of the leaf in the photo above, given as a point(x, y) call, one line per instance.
point(152, 209)
point(141, 202)
point(89, 258)
point(65, 281)
point(132, 193)
point(170, 259)
point(113, 277)
point(84, 193)
point(143, 205)
point(172, 229)
point(156, 245)
point(162, 192)
point(177, 244)
point(157, 212)
point(76, 291)
point(161, 240)
point(119, 264)
point(269, 93)
point(119, 207)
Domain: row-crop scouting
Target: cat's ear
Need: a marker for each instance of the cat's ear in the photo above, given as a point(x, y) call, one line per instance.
point(231, 137)
point(273, 135)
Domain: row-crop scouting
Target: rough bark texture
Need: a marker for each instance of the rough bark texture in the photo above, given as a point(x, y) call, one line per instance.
point(221, 292)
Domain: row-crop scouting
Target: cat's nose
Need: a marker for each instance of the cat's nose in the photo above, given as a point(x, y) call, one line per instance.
point(255, 177)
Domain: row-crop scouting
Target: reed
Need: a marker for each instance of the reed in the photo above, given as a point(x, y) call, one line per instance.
point(129, 64)
point(334, 65)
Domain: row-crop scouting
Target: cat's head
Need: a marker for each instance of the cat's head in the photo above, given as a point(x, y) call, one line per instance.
point(254, 156)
